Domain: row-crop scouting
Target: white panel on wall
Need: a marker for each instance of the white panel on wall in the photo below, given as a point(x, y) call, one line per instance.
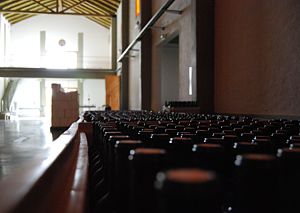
point(1, 39)
point(25, 41)
point(7, 44)
point(4, 39)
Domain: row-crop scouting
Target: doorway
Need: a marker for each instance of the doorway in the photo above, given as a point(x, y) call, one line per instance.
point(169, 69)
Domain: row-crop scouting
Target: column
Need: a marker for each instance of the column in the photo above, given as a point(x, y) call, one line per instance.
point(80, 51)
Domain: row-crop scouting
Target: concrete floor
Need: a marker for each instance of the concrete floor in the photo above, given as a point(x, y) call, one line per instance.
point(20, 141)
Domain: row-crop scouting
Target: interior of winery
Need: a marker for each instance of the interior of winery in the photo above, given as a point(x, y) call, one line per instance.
point(136, 106)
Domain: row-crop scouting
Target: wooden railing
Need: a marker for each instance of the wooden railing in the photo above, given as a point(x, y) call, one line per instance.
point(56, 180)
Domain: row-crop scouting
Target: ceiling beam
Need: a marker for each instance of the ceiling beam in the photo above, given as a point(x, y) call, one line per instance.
point(55, 73)
point(74, 5)
point(5, 4)
point(102, 6)
point(39, 3)
point(55, 13)
point(17, 19)
point(105, 22)
point(60, 5)
point(17, 5)
point(99, 11)
point(94, 7)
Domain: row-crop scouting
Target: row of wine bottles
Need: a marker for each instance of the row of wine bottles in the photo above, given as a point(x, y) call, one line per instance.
point(143, 161)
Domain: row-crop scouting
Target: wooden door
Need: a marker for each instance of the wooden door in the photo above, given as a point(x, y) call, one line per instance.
point(112, 84)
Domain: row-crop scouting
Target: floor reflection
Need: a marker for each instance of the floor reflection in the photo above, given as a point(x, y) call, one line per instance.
point(20, 141)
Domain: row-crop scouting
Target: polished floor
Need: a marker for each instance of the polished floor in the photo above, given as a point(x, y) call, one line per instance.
point(20, 141)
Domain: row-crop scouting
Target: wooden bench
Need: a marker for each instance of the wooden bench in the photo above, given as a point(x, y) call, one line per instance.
point(56, 180)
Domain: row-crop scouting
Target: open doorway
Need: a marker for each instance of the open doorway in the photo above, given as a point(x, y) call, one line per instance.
point(169, 69)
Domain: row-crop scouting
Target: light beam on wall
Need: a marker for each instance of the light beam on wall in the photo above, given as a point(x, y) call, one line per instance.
point(137, 7)
point(190, 80)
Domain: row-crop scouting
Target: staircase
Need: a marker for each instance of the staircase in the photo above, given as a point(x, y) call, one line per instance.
point(9, 94)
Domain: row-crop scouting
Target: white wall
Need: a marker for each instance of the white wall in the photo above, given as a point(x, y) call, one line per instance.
point(25, 40)
point(23, 103)
point(94, 90)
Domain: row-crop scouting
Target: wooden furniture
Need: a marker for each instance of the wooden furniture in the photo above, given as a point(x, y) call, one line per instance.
point(112, 83)
point(56, 180)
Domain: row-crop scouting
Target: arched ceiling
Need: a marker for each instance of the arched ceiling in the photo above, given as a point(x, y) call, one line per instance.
point(99, 11)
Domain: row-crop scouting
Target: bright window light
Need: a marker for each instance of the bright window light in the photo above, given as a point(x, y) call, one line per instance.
point(190, 80)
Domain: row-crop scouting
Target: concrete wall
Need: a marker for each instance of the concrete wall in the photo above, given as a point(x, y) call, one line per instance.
point(257, 63)
point(134, 73)
point(170, 25)
point(25, 40)
point(169, 74)
point(119, 31)
point(173, 24)
point(122, 43)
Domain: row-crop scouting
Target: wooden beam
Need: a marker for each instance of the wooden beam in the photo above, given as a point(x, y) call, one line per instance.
point(54, 13)
point(103, 6)
point(90, 5)
point(100, 22)
point(17, 18)
point(116, 3)
point(39, 3)
point(49, 3)
point(60, 5)
point(17, 5)
point(73, 6)
point(26, 7)
point(100, 11)
point(83, 9)
point(105, 22)
point(5, 4)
